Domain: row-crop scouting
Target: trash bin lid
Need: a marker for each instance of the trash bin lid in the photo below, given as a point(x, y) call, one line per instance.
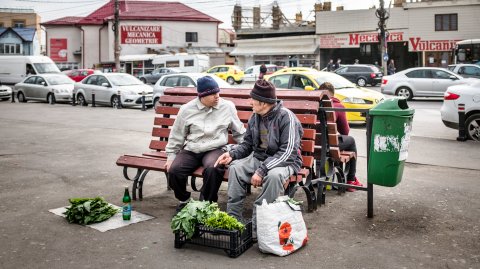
point(392, 107)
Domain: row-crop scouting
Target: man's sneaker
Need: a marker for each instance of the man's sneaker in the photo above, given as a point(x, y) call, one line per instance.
point(354, 182)
point(180, 206)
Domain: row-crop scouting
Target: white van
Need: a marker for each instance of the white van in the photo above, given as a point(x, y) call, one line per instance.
point(14, 69)
point(191, 63)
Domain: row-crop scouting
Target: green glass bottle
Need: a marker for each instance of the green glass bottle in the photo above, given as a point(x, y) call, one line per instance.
point(127, 205)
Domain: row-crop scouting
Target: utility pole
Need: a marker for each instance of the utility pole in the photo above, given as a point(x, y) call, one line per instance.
point(116, 45)
point(383, 16)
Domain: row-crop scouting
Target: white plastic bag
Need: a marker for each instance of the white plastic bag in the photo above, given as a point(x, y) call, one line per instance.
point(281, 229)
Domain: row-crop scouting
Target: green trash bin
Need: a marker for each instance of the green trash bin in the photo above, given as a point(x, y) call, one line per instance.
point(390, 135)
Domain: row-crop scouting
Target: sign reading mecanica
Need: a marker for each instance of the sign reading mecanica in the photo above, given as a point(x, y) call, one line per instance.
point(141, 34)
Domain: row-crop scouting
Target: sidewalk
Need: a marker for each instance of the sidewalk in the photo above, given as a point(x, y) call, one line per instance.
point(52, 153)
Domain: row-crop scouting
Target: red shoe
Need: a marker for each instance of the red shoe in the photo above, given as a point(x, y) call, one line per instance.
point(356, 183)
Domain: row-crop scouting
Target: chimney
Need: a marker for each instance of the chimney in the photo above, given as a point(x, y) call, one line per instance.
point(398, 3)
point(327, 6)
point(339, 8)
point(298, 18)
point(256, 17)
point(318, 7)
point(237, 17)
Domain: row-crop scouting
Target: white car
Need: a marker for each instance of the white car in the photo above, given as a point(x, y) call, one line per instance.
point(5, 92)
point(45, 87)
point(469, 95)
point(109, 86)
point(466, 70)
point(251, 74)
point(182, 80)
point(421, 81)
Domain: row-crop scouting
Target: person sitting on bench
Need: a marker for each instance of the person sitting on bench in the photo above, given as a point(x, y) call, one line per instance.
point(196, 139)
point(346, 142)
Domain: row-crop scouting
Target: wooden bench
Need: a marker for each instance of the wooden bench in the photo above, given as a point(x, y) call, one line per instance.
point(167, 109)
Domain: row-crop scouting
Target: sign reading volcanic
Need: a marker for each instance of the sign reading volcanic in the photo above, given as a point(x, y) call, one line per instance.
point(141, 34)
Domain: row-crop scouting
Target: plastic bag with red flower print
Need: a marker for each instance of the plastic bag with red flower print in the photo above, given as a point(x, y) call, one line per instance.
point(281, 229)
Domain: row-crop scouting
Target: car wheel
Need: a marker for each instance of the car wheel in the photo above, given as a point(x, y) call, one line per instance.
point(240, 81)
point(404, 92)
point(155, 103)
point(143, 80)
point(21, 97)
point(472, 125)
point(361, 82)
point(231, 80)
point(51, 98)
point(81, 100)
point(115, 101)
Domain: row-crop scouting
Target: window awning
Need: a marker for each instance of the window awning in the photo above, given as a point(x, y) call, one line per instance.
point(268, 50)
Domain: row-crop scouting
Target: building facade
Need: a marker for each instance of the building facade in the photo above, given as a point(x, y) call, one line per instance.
point(419, 33)
point(146, 27)
point(19, 32)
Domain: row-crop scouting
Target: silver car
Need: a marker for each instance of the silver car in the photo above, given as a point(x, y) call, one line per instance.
point(421, 81)
point(110, 88)
point(156, 74)
point(45, 87)
point(466, 70)
point(5, 92)
point(182, 80)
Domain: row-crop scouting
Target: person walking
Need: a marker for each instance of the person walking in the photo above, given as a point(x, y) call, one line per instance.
point(198, 134)
point(330, 66)
point(273, 136)
point(346, 142)
point(338, 63)
point(391, 68)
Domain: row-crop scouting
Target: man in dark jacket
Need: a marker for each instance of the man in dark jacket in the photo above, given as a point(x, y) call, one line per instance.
point(346, 142)
point(273, 135)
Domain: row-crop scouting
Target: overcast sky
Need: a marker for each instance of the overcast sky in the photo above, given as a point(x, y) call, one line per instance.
point(219, 9)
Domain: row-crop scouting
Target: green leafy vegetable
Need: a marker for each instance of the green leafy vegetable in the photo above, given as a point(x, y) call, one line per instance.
point(89, 210)
point(195, 212)
point(222, 220)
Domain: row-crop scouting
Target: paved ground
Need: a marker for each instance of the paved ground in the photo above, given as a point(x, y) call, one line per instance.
point(51, 153)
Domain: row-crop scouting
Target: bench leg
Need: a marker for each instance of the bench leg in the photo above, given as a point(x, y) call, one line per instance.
point(193, 183)
point(168, 182)
point(292, 189)
point(125, 173)
point(140, 184)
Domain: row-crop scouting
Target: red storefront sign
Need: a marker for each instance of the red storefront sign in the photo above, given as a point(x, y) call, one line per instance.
point(356, 39)
point(417, 44)
point(353, 40)
point(141, 34)
point(58, 49)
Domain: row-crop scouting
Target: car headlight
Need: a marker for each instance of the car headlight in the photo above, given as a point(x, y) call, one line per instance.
point(353, 100)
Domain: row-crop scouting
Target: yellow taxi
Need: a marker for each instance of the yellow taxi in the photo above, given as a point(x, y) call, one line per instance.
point(229, 73)
point(350, 95)
point(292, 69)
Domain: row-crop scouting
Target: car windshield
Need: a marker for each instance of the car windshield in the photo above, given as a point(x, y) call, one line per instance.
point(337, 81)
point(59, 80)
point(44, 68)
point(124, 80)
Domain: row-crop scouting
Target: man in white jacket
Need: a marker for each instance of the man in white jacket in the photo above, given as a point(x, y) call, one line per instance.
point(197, 137)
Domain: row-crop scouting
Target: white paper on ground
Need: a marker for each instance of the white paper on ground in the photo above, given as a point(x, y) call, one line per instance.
point(116, 221)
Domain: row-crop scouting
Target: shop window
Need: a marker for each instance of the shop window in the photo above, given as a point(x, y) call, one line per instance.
point(191, 37)
point(188, 63)
point(366, 50)
point(18, 23)
point(446, 22)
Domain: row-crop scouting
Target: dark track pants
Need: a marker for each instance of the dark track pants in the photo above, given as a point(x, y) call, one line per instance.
point(347, 143)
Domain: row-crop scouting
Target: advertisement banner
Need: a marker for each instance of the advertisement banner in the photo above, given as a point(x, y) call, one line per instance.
point(58, 49)
point(417, 44)
point(140, 34)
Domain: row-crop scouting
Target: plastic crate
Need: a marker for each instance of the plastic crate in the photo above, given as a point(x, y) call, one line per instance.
point(234, 243)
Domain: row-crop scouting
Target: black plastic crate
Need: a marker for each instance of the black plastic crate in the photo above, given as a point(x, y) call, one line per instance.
point(234, 243)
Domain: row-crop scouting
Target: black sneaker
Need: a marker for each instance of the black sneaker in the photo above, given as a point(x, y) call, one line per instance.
point(180, 206)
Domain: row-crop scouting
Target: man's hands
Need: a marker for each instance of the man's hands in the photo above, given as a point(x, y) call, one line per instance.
point(223, 159)
point(167, 165)
point(256, 180)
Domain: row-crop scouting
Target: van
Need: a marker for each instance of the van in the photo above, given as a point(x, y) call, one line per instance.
point(191, 63)
point(13, 69)
point(252, 73)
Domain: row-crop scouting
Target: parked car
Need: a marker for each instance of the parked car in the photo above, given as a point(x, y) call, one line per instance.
point(79, 74)
point(107, 86)
point(157, 74)
point(361, 74)
point(14, 69)
point(252, 73)
point(182, 80)
point(421, 81)
point(45, 87)
point(466, 70)
point(229, 73)
point(5, 92)
point(291, 69)
point(348, 93)
point(463, 94)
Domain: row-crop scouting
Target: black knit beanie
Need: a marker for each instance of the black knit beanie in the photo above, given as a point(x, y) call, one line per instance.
point(264, 91)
